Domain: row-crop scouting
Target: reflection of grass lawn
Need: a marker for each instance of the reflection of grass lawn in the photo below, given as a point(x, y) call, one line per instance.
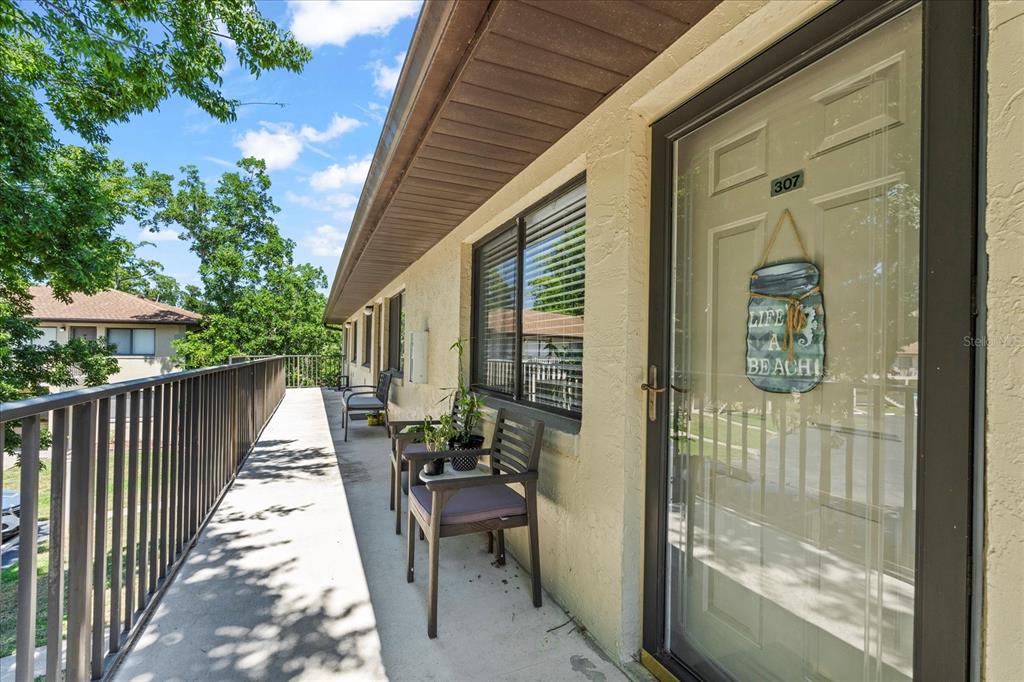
point(9, 576)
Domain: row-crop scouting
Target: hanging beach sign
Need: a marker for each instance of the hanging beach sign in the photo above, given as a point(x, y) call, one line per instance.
point(786, 322)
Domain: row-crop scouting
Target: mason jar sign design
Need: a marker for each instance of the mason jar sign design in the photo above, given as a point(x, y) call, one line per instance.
point(785, 323)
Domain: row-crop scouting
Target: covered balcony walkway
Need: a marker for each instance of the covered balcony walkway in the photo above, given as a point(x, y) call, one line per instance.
point(299, 575)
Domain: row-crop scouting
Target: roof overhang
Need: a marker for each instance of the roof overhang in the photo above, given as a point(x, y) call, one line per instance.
point(486, 88)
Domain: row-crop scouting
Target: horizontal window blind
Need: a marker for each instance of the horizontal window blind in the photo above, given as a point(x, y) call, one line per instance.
point(528, 306)
point(552, 327)
point(496, 314)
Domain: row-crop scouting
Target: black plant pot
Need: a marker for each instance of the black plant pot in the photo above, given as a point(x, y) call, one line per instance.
point(433, 467)
point(466, 462)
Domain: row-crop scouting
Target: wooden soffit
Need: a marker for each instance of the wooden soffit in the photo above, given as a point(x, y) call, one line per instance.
point(486, 89)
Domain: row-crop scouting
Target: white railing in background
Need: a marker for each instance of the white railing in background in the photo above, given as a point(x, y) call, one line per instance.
point(306, 371)
point(544, 382)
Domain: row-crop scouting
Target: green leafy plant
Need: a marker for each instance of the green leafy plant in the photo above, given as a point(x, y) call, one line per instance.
point(438, 435)
point(470, 404)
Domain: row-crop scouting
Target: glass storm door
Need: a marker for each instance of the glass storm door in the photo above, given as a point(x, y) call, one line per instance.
point(791, 513)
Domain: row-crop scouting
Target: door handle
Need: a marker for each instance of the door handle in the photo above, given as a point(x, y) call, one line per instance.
point(652, 389)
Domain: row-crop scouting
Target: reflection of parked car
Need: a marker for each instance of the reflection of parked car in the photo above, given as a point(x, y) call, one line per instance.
point(9, 511)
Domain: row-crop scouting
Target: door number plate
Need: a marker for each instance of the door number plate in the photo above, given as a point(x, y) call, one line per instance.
point(787, 183)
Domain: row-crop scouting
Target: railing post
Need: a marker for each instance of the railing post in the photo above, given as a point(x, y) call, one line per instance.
point(99, 569)
point(28, 537)
point(116, 541)
point(133, 512)
point(58, 514)
point(80, 538)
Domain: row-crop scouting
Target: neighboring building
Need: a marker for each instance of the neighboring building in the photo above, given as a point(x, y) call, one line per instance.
point(140, 329)
point(635, 163)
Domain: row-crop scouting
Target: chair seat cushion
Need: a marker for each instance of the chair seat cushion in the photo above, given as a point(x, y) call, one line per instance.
point(364, 402)
point(469, 505)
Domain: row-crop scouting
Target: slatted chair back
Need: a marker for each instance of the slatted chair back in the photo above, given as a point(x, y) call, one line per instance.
point(383, 387)
point(515, 446)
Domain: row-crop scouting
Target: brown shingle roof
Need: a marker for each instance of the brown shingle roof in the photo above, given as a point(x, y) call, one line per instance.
point(535, 323)
point(107, 306)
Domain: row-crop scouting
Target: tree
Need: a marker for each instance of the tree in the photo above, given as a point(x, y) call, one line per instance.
point(145, 277)
point(89, 64)
point(255, 300)
point(559, 286)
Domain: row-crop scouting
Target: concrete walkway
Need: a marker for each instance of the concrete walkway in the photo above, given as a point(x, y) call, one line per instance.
point(300, 575)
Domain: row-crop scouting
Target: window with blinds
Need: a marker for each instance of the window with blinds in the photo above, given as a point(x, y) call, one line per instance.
point(528, 306)
point(368, 340)
point(396, 334)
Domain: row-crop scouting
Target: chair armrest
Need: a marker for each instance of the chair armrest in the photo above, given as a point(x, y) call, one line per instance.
point(444, 454)
point(347, 398)
point(365, 388)
point(410, 437)
point(476, 481)
point(397, 426)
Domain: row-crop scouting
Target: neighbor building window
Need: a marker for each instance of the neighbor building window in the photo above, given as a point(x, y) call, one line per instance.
point(396, 333)
point(132, 341)
point(49, 336)
point(368, 340)
point(528, 284)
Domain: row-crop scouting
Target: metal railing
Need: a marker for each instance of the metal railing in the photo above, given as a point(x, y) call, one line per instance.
point(306, 371)
point(553, 383)
point(178, 440)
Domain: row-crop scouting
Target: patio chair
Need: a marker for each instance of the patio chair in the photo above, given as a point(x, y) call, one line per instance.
point(456, 504)
point(366, 398)
point(412, 441)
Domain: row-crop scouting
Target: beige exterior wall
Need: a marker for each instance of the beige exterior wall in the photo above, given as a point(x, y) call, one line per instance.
point(591, 488)
point(131, 366)
point(1003, 633)
point(592, 494)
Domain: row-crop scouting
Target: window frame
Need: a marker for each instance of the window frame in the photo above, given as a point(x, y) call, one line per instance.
point(131, 332)
point(368, 338)
point(395, 337)
point(354, 343)
point(518, 223)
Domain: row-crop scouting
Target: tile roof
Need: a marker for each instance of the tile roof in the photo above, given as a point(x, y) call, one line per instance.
point(107, 306)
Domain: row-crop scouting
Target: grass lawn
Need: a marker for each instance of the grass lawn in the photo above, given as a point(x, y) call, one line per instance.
point(9, 576)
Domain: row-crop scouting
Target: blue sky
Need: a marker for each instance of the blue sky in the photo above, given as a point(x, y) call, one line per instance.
point(317, 147)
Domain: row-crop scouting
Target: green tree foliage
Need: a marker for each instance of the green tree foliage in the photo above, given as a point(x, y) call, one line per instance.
point(86, 65)
point(145, 277)
point(255, 299)
point(557, 287)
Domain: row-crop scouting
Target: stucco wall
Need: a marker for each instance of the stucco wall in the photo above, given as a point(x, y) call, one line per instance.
point(132, 366)
point(591, 483)
point(1003, 639)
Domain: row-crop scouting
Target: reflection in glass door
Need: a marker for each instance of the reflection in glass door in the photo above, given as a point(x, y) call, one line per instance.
point(791, 514)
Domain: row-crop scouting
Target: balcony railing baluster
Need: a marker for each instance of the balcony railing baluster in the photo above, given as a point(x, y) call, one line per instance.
point(122, 517)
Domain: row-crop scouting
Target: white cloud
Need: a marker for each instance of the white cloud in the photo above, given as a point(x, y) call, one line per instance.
point(336, 175)
point(326, 241)
point(339, 126)
point(338, 21)
point(161, 236)
point(279, 144)
point(336, 201)
point(385, 77)
point(278, 148)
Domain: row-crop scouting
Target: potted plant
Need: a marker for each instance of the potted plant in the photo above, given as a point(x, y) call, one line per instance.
point(437, 438)
point(374, 419)
point(470, 407)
